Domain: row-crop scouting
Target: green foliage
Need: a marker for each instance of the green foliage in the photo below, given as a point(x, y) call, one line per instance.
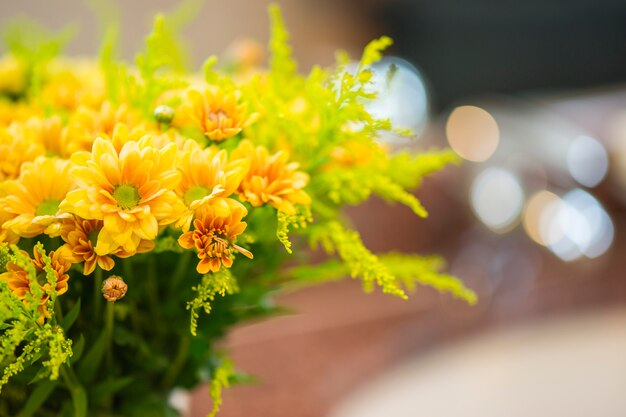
point(35, 46)
point(361, 263)
point(300, 220)
point(282, 65)
point(24, 340)
point(412, 269)
point(408, 170)
point(211, 285)
point(373, 52)
point(220, 380)
point(158, 65)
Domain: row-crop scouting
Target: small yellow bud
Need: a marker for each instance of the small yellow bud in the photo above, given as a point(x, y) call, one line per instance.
point(114, 288)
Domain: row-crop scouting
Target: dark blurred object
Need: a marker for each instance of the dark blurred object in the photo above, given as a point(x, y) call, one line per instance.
point(474, 47)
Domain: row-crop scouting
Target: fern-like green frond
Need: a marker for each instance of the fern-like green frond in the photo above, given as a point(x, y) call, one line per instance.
point(360, 262)
point(286, 222)
point(212, 284)
point(282, 63)
point(374, 50)
point(412, 269)
point(220, 379)
point(409, 170)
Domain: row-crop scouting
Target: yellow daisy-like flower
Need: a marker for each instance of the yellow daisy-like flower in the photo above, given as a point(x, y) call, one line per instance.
point(86, 124)
point(6, 235)
point(73, 83)
point(132, 192)
point(35, 196)
point(272, 179)
point(13, 76)
point(207, 175)
point(80, 237)
point(17, 278)
point(16, 147)
point(214, 237)
point(11, 112)
point(217, 114)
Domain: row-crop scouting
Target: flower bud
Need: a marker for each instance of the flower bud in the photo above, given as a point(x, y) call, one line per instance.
point(114, 288)
point(164, 114)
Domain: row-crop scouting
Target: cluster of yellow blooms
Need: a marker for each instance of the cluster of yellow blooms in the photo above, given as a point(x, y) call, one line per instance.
point(107, 181)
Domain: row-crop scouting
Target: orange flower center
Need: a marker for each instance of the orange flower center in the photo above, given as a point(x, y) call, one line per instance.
point(216, 116)
point(126, 195)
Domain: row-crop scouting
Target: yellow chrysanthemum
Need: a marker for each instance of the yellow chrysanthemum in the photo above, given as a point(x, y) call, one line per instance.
point(12, 75)
point(73, 83)
point(11, 112)
point(80, 237)
point(207, 175)
point(218, 115)
point(87, 123)
point(132, 192)
point(271, 179)
point(35, 196)
point(17, 146)
point(214, 237)
point(17, 278)
point(6, 235)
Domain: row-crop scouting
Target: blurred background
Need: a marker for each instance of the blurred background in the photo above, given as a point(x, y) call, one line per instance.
point(532, 95)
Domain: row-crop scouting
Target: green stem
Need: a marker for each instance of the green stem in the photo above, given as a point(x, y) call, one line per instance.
point(181, 269)
point(151, 287)
point(97, 292)
point(108, 328)
point(58, 311)
point(179, 361)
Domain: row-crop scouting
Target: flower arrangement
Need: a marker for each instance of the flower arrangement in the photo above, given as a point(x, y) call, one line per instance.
point(145, 211)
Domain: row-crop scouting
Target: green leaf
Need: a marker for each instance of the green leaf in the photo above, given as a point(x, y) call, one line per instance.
point(167, 244)
point(39, 395)
point(79, 400)
point(91, 362)
point(77, 349)
point(109, 386)
point(71, 317)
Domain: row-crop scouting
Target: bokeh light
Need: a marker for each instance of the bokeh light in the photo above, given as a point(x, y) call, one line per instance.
point(401, 96)
point(572, 227)
point(587, 161)
point(472, 133)
point(535, 214)
point(497, 198)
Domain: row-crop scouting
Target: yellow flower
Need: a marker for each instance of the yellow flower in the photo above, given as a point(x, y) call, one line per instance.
point(207, 175)
point(80, 237)
point(6, 235)
point(16, 147)
point(132, 192)
point(271, 179)
point(72, 83)
point(17, 278)
point(217, 114)
point(35, 196)
point(86, 124)
point(11, 112)
point(12, 75)
point(214, 236)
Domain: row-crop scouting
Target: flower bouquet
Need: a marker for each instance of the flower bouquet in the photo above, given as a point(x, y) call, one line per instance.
point(145, 211)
